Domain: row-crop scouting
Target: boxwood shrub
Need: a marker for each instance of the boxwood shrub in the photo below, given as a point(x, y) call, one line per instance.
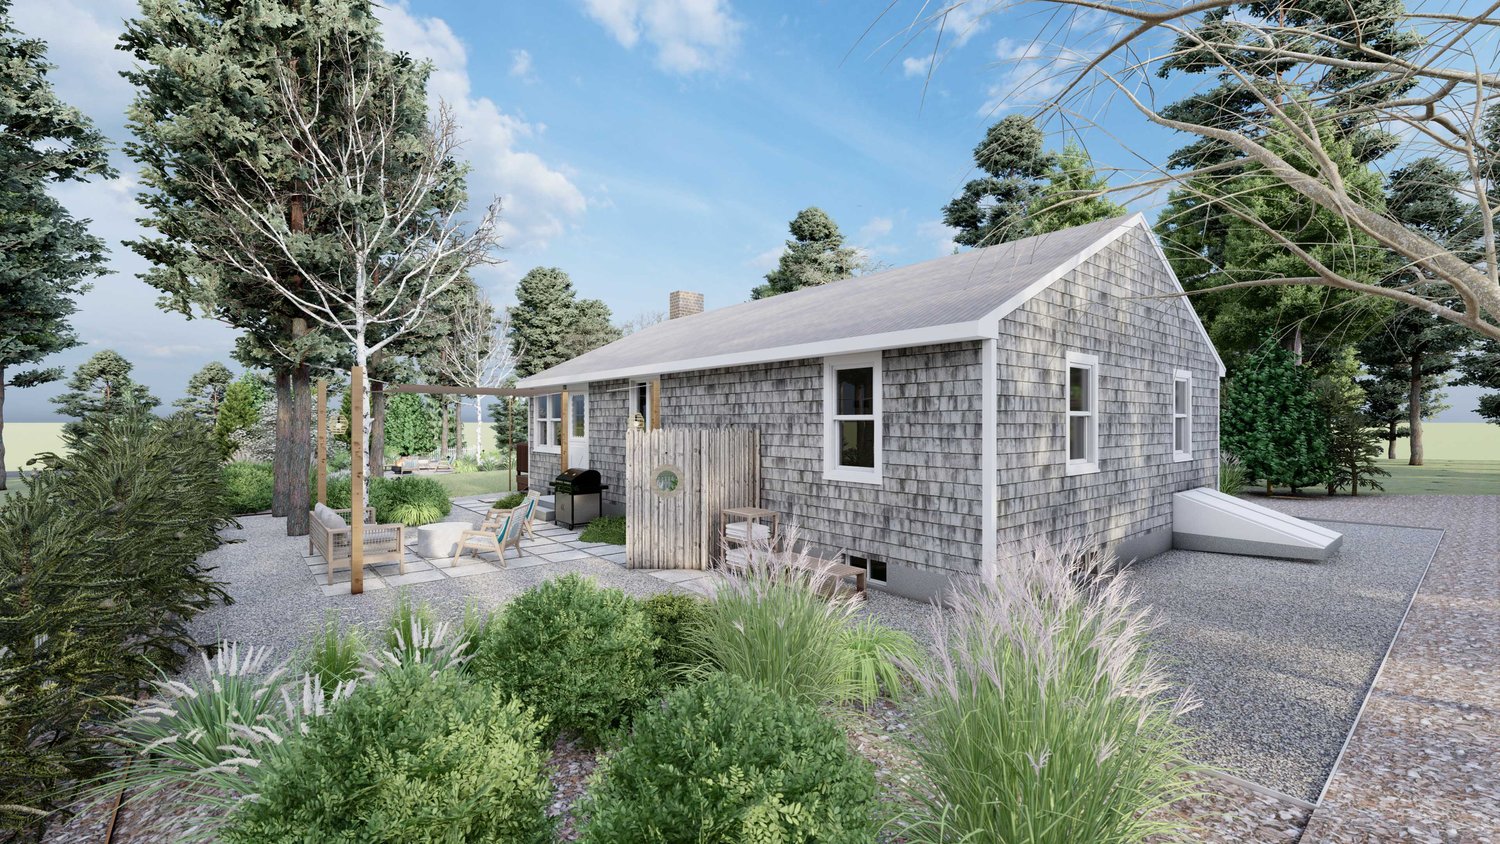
point(674, 616)
point(411, 756)
point(248, 487)
point(578, 654)
point(726, 761)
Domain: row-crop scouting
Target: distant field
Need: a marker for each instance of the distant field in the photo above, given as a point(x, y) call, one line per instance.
point(1455, 441)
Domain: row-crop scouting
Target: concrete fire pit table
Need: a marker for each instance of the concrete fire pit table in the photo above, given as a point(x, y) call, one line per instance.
point(436, 541)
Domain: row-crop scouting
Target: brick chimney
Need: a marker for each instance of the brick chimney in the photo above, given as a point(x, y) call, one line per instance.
point(681, 303)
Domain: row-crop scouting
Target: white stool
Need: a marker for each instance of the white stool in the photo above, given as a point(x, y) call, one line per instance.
point(438, 540)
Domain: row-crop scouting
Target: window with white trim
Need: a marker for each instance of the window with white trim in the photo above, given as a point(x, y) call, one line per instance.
point(851, 419)
point(1182, 415)
point(1082, 431)
point(548, 414)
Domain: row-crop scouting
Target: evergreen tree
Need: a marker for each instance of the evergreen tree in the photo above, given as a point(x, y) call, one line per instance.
point(995, 207)
point(550, 324)
point(240, 409)
point(100, 390)
point(205, 392)
point(1073, 196)
point(516, 411)
point(1352, 443)
point(1385, 407)
point(815, 255)
point(1272, 420)
point(45, 254)
point(1481, 368)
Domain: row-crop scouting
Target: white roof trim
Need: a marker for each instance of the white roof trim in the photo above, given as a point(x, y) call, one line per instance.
point(983, 329)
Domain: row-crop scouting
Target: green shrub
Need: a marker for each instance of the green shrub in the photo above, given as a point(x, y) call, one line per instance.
point(576, 653)
point(409, 500)
point(673, 617)
point(338, 492)
point(410, 756)
point(879, 654)
point(248, 487)
point(610, 529)
point(769, 625)
point(725, 761)
point(510, 502)
point(1045, 721)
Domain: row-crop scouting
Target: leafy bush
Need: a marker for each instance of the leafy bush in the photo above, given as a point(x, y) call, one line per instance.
point(1232, 475)
point(768, 624)
point(725, 761)
point(1045, 721)
point(879, 654)
point(510, 502)
point(610, 529)
point(576, 653)
point(673, 618)
point(248, 487)
point(410, 756)
point(408, 500)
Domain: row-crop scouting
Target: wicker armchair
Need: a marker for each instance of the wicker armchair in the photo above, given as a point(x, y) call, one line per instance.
point(330, 535)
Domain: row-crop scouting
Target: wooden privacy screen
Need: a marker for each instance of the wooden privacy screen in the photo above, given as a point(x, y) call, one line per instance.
point(677, 483)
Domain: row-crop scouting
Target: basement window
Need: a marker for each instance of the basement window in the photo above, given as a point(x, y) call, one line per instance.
point(1182, 415)
point(875, 569)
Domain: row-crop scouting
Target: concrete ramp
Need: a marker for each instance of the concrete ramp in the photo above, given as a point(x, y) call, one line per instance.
point(1205, 519)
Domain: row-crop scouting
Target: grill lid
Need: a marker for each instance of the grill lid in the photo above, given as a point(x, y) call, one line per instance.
point(577, 481)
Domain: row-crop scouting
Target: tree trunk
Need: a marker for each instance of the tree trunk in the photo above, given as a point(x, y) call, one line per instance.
point(280, 489)
point(458, 426)
point(1297, 343)
point(443, 431)
point(376, 454)
point(1414, 419)
point(2, 428)
point(1390, 437)
point(299, 454)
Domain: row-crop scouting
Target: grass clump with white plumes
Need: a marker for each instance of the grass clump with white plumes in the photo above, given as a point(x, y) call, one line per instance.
point(1043, 718)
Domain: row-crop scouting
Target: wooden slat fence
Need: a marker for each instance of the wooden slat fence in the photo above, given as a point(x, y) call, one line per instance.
point(716, 468)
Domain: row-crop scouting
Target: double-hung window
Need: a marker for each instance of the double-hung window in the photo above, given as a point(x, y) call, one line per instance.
point(1182, 415)
point(851, 419)
point(548, 420)
point(1082, 431)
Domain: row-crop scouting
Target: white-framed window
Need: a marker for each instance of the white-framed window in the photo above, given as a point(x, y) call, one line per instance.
point(1082, 430)
point(1182, 415)
point(547, 415)
point(851, 419)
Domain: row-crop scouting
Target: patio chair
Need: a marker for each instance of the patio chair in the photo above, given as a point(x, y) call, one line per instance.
point(487, 537)
point(527, 510)
point(329, 534)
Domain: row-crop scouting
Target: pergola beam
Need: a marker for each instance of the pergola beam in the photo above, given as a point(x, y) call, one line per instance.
point(438, 389)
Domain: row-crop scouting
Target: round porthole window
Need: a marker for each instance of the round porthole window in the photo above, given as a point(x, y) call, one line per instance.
point(667, 480)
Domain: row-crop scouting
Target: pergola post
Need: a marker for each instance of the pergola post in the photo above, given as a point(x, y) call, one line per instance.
point(510, 441)
point(563, 425)
point(323, 441)
point(443, 430)
point(357, 480)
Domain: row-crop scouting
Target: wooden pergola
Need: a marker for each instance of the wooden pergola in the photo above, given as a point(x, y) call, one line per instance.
point(357, 447)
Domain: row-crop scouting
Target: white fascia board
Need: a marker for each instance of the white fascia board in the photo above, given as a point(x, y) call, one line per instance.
point(989, 458)
point(930, 335)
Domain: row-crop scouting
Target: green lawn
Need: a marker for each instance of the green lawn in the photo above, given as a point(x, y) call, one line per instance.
point(609, 529)
point(1437, 477)
point(474, 483)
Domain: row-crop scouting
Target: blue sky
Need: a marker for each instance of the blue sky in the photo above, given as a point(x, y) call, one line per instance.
point(641, 145)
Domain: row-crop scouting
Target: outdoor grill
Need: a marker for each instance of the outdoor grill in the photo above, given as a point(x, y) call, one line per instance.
point(576, 494)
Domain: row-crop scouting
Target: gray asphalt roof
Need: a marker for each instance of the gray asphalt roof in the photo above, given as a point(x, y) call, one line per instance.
point(952, 290)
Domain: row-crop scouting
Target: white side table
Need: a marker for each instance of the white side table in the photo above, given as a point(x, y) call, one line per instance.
point(437, 540)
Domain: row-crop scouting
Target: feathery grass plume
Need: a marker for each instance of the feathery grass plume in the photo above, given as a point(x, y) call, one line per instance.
point(770, 624)
point(336, 653)
point(212, 733)
point(404, 616)
point(880, 655)
point(1042, 717)
point(473, 627)
point(434, 647)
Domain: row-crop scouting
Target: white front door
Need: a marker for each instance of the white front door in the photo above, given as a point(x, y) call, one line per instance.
point(578, 430)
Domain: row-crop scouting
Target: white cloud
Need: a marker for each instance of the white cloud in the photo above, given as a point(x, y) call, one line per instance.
point(940, 234)
point(1031, 76)
point(877, 228)
point(766, 261)
point(539, 199)
point(915, 66)
point(520, 65)
point(689, 36)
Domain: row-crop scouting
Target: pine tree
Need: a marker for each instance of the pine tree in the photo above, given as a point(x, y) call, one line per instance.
point(205, 392)
point(409, 425)
point(815, 255)
point(1272, 421)
point(995, 207)
point(101, 389)
point(1073, 196)
point(550, 324)
point(1352, 443)
point(243, 400)
point(1481, 368)
point(45, 254)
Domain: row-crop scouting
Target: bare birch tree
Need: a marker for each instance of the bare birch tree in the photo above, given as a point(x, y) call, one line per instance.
point(476, 353)
point(1438, 96)
point(386, 207)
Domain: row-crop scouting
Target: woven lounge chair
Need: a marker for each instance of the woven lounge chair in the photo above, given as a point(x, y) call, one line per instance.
point(527, 510)
point(492, 537)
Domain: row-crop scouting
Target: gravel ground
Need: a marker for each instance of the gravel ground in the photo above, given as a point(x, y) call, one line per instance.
point(1282, 652)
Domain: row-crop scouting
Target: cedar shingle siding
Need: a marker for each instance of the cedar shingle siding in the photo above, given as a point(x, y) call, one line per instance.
point(924, 520)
